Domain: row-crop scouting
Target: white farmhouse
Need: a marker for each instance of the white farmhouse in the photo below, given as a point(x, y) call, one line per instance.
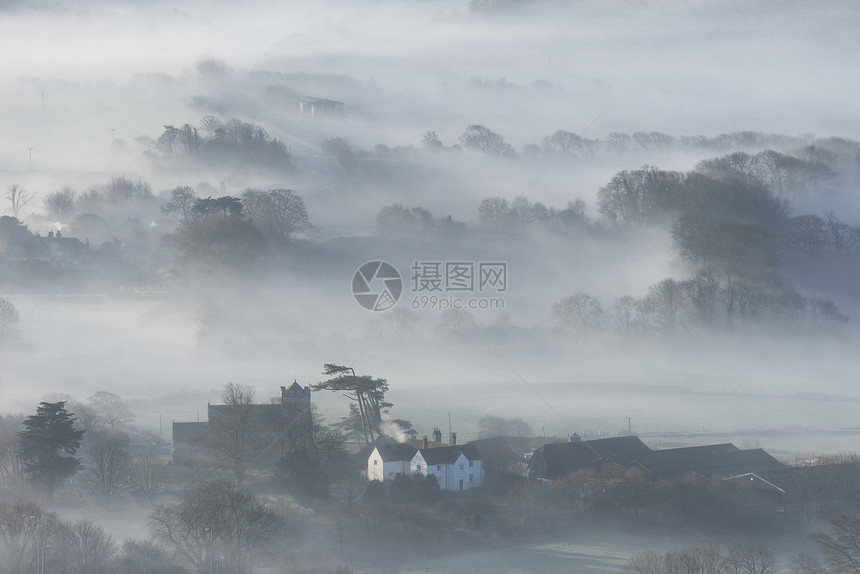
point(389, 460)
point(455, 467)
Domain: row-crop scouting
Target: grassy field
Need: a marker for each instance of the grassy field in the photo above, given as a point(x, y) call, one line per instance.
point(593, 553)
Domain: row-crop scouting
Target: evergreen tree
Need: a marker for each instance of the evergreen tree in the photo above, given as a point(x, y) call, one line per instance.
point(48, 444)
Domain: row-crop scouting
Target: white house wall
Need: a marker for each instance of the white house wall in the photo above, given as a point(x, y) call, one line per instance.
point(449, 475)
point(382, 470)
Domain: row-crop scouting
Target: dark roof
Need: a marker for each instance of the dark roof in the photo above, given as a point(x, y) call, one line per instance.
point(364, 452)
point(67, 246)
point(392, 452)
point(469, 451)
point(719, 461)
point(673, 461)
point(563, 458)
point(617, 446)
point(558, 459)
point(689, 457)
point(567, 457)
point(295, 388)
point(442, 455)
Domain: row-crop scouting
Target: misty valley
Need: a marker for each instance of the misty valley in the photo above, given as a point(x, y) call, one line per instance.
point(450, 286)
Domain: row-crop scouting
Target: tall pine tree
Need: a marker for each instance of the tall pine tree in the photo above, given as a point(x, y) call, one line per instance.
point(48, 444)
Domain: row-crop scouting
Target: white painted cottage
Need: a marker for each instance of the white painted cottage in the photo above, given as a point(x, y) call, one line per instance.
point(388, 460)
point(455, 467)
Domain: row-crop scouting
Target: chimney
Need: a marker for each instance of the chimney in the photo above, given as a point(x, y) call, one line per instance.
point(453, 438)
point(437, 435)
point(426, 442)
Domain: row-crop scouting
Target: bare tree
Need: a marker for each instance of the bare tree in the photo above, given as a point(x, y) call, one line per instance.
point(804, 563)
point(11, 468)
point(147, 475)
point(182, 199)
point(278, 212)
point(8, 320)
point(219, 516)
point(494, 212)
point(842, 235)
point(645, 313)
point(564, 141)
point(231, 427)
point(109, 467)
point(431, 141)
point(18, 198)
point(87, 549)
point(87, 416)
point(807, 233)
point(841, 550)
point(60, 204)
point(619, 142)
point(646, 563)
point(492, 426)
point(145, 557)
point(824, 312)
point(669, 298)
point(702, 559)
point(624, 311)
point(111, 408)
point(485, 140)
point(751, 557)
point(24, 529)
point(579, 313)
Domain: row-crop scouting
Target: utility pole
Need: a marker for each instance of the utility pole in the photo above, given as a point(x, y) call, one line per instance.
point(43, 101)
point(629, 427)
point(29, 149)
point(113, 136)
point(449, 427)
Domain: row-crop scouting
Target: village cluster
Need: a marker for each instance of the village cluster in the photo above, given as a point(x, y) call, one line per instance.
point(461, 467)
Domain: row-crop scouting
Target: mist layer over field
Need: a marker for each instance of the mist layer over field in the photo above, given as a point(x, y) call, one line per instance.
point(89, 91)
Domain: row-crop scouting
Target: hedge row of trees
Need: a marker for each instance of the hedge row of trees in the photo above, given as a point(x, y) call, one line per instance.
point(838, 552)
point(748, 557)
point(482, 139)
point(213, 525)
point(217, 143)
point(710, 300)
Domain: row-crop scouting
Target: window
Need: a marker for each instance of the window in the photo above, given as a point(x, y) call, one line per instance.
point(461, 466)
point(471, 463)
point(438, 467)
point(375, 462)
point(471, 478)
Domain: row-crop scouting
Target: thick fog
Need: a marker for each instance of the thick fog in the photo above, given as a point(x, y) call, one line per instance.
point(87, 91)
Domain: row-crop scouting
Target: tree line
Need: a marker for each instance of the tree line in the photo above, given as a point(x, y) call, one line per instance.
point(569, 144)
